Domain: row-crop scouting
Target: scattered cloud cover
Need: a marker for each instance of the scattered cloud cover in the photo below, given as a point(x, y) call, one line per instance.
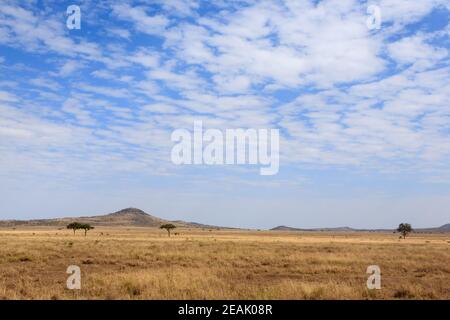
point(87, 114)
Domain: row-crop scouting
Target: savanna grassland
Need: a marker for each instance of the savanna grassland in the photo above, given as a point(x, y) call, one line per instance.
point(143, 263)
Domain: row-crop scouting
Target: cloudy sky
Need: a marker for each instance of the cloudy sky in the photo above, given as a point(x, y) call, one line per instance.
point(364, 114)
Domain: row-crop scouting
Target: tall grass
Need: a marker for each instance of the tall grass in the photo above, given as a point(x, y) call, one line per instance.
point(143, 263)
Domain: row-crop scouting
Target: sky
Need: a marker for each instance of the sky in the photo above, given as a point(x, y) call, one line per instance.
point(86, 115)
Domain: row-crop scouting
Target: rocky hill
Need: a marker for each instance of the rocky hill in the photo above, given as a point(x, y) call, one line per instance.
point(127, 217)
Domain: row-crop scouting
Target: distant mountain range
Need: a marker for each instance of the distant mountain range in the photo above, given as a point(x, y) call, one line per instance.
point(130, 217)
point(441, 229)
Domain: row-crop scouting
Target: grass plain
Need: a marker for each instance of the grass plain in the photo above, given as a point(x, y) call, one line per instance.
point(144, 263)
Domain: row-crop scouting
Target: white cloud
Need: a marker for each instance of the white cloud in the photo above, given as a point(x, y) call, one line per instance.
point(323, 45)
point(147, 87)
point(226, 68)
point(138, 16)
point(105, 91)
point(160, 108)
point(415, 50)
point(45, 83)
point(69, 67)
point(180, 7)
point(188, 80)
point(123, 33)
point(146, 58)
point(403, 12)
point(8, 97)
point(103, 74)
point(230, 84)
point(36, 32)
point(407, 130)
point(74, 107)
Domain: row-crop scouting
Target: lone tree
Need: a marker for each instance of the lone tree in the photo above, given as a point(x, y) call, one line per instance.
point(404, 229)
point(168, 227)
point(86, 227)
point(74, 226)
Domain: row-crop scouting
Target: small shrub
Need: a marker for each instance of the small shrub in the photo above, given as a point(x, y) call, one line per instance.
point(403, 294)
point(24, 259)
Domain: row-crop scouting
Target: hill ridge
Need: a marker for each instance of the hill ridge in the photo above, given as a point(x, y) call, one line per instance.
point(443, 228)
point(127, 217)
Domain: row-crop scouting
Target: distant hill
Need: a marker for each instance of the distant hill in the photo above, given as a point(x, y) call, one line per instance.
point(133, 217)
point(127, 217)
point(441, 229)
point(342, 229)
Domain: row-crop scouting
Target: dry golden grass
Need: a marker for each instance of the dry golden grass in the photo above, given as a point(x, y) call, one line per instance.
point(143, 263)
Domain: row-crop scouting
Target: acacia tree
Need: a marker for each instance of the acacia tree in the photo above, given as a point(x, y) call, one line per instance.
point(86, 227)
point(404, 229)
point(74, 226)
point(168, 227)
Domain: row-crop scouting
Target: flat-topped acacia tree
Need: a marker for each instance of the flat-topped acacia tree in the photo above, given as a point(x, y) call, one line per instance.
point(404, 229)
point(168, 227)
point(86, 227)
point(74, 226)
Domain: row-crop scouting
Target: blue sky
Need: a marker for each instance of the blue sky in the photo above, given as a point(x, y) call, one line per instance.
point(364, 114)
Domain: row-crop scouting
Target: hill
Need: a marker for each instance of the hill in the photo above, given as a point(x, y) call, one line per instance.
point(441, 229)
point(128, 217)
point(339, 229)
